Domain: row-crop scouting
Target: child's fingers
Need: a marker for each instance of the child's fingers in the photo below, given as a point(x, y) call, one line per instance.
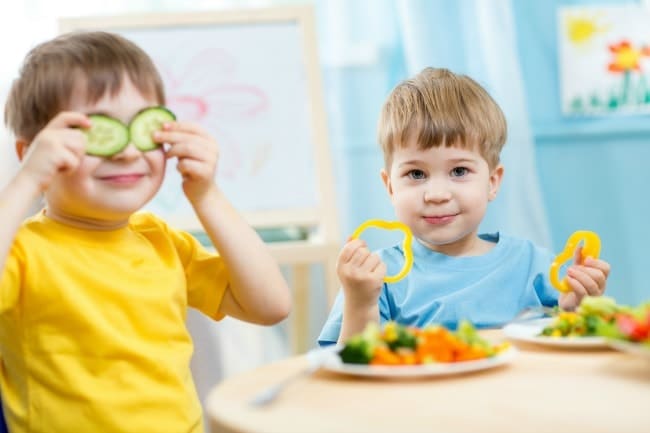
point(591, 279)
point(359, 257)
point(349, 248)
point(193, 169)
point(371, 262)
point(381, 269)
point(377, 266)
point(69, 162)
point(602, 265)
point(68, 119)
point(577, 287)
point(172, 137)
point(577, 255)
point(186, 127)
point(188, 150)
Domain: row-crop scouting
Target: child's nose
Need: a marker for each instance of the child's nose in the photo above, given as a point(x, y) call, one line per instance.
point(436, 192)
point(129, 152)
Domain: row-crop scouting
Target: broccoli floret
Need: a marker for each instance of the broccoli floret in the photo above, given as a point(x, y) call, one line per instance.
point(357, 351)
point(398, 336)
point(467, 333)
point(360, 348)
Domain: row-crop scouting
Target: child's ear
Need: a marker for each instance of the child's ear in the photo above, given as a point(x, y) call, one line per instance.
point(21, 147)
point(495, 182)
point(385, 177)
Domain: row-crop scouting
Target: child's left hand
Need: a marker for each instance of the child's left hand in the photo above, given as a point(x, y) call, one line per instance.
point(586, 277)
point(197, 154)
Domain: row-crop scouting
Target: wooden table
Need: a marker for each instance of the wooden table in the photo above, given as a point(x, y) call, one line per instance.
point(542, 390)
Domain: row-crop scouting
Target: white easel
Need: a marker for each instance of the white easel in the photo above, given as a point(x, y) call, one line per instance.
point(318, 214)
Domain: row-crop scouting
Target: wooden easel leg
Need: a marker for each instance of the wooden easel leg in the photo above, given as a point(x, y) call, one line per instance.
point(300, 313)
point(331, 282)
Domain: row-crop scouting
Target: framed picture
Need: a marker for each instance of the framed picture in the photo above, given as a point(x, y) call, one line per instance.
point(604, 59)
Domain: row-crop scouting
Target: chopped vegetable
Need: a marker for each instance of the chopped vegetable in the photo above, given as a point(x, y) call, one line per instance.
point(602, 316)
point(397, 344)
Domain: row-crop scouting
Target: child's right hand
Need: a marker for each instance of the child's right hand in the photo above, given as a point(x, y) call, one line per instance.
point(361, 273)
point(57, 148)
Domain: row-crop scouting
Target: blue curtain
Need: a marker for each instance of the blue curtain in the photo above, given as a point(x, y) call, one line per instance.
point(369, 46)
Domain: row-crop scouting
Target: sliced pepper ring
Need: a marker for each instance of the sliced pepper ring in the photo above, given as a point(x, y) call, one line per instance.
point(590, 248)
point(406, 245)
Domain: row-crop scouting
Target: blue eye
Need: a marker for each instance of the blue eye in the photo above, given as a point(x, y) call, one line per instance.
point(459, 171)
point(416, 174)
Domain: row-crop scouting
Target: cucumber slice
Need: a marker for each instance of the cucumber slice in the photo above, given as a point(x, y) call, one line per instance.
point(106, 136)
point(145, 123)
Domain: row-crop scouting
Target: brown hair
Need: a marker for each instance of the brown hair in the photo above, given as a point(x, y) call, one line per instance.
point(51, 71)
point(438, 107)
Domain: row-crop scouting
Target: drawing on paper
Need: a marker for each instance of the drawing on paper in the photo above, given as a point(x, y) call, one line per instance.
point(206, 91)
point(604, 59)
point(251, 96)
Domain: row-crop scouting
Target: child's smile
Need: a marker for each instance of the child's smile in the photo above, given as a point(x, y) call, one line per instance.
point(440, 219)
point(122, 180)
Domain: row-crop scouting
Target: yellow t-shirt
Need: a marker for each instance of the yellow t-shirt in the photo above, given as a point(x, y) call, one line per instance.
point(92, 327)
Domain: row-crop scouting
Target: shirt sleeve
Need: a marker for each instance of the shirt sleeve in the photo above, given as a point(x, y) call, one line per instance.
point(546, 293)
point(12, 277)
point(330, 332)
point(205, 271)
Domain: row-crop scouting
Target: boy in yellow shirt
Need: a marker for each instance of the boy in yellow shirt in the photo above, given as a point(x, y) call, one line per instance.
point(93, 294)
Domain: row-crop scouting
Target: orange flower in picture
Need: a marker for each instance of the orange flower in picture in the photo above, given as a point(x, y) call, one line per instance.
point(626, 57)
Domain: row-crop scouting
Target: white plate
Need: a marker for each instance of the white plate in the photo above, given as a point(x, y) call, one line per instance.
point(529, 332)
point(332, 362)
point(629, 347)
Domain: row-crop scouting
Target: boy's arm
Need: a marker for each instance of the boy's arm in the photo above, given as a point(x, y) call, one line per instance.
point(16, 199)
point(362, 276)
point(355, 319)
point(257, 291)
point(57, 149)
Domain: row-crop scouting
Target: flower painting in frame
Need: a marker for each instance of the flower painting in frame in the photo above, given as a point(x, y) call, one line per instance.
point(604, 59)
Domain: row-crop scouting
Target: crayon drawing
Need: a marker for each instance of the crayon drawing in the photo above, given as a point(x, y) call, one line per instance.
point(604, 59)
point(251, 96)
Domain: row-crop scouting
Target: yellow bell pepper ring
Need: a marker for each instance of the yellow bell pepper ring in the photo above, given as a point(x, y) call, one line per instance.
point(590, 248)
point(408, 240)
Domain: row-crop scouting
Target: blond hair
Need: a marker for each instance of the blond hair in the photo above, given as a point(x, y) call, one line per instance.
point(53, 69)
point(439, 108)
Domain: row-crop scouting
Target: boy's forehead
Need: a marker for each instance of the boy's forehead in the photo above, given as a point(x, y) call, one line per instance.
point(415, 151)
point(413, 144)
point(124, 98)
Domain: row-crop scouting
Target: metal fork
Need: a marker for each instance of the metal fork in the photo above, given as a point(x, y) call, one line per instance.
point(532, 313)
point(316, 359)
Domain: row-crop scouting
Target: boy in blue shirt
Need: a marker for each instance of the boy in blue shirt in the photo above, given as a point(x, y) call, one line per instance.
point(441, 135)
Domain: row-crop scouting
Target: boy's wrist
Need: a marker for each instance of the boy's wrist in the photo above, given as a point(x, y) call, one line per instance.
point(360, 308)
point(27, 185)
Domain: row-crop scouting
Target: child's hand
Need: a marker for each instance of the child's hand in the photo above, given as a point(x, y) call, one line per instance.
point(197, 154)
point(361, 273)
point(57, 148)
point(586, 277)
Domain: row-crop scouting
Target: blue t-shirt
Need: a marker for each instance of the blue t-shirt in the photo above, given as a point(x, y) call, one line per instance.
point(489, 290)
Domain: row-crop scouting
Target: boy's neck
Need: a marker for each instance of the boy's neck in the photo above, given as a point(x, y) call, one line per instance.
point(469, 246)
point(84, 223)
